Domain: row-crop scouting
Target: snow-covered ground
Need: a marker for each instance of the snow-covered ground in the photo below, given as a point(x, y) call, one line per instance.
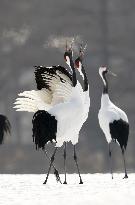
point(98, 189)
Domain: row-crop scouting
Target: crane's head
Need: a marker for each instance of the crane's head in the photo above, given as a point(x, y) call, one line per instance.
point(102, 70)
point(68, 55)
point(105, 70)
point(79, 60)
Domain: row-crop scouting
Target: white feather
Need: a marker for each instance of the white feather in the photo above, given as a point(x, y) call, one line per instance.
point(69, 117)
point(107, 114)
point(32, 101)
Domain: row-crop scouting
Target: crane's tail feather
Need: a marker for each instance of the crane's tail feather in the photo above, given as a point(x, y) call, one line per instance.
point(5, 127)
point(44, 128)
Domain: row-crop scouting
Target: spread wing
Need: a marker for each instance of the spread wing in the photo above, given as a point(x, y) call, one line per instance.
point(57, 80)
point(54, 86)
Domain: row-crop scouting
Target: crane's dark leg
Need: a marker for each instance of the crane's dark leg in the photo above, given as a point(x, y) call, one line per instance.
point(52, 160)
point(65, 155)
point(123, 155)
point(56, 173)
point(110, 157)
point(75, 158)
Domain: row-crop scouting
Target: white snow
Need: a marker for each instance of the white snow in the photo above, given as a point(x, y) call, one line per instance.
point(98, 189)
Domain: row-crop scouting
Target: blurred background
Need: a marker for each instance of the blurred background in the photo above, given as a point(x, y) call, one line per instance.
point(108, 28)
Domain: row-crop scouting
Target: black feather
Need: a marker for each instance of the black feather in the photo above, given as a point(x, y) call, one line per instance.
point(44, 128)
point(119, 130)
point(5, 127)
point(49, 74)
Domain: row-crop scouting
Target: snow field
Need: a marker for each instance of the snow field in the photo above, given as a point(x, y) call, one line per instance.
point(98, 189)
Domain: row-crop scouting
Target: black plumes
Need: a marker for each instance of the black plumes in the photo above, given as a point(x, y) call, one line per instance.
point(5, 127)
point(44, 74)
point(119, 130)
point(44, 128)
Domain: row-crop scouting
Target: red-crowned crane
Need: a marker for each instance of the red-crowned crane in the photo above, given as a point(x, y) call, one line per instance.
point(5, 127)
point(113, 121)
point(85, 97)
point(58, 106)
point(80, 66)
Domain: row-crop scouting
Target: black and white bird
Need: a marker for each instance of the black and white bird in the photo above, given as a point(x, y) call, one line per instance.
point(85, 96)
point(5, 127)
point(113, 121)
point(58, 105)
point(80, 66)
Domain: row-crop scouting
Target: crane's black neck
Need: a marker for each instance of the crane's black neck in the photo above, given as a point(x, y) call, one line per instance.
point(105, 87)
point(74, 80)
point(85, 88)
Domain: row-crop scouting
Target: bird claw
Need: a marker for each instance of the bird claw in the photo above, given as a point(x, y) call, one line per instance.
point(45, 182)
point(125, 177)
point(81, 182)
point(56, 173)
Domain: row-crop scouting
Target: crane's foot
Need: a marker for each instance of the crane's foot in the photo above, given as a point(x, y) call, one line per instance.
point(45, 182)
point(56, 173)
point(64, 182)
point(125, 177)
point(81, 182)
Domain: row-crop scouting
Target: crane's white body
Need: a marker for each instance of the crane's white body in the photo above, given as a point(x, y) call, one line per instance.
point(69, 117)
point(84, 96)
point(108, 113)
point(65, 102)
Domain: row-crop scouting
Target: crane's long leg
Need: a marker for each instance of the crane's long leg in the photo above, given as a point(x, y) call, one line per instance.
point(110, 157)
point(124, 161)
point(52, 160)
point(56, 173)
point(65, 155)
point(75, 158)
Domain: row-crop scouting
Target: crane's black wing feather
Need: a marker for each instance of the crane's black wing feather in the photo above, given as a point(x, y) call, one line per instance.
point(119, 130)
point(43, 75)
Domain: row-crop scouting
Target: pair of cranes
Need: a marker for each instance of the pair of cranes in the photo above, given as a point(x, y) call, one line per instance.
point(61, 106)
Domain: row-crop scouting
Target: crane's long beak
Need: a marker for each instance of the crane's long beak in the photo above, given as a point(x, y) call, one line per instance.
point(111, 73)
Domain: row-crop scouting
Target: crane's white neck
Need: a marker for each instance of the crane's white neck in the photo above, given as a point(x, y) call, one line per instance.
point(104, 82)
point(105, 100)
point(80, 71)
point(70, 63)
point(84, 76)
